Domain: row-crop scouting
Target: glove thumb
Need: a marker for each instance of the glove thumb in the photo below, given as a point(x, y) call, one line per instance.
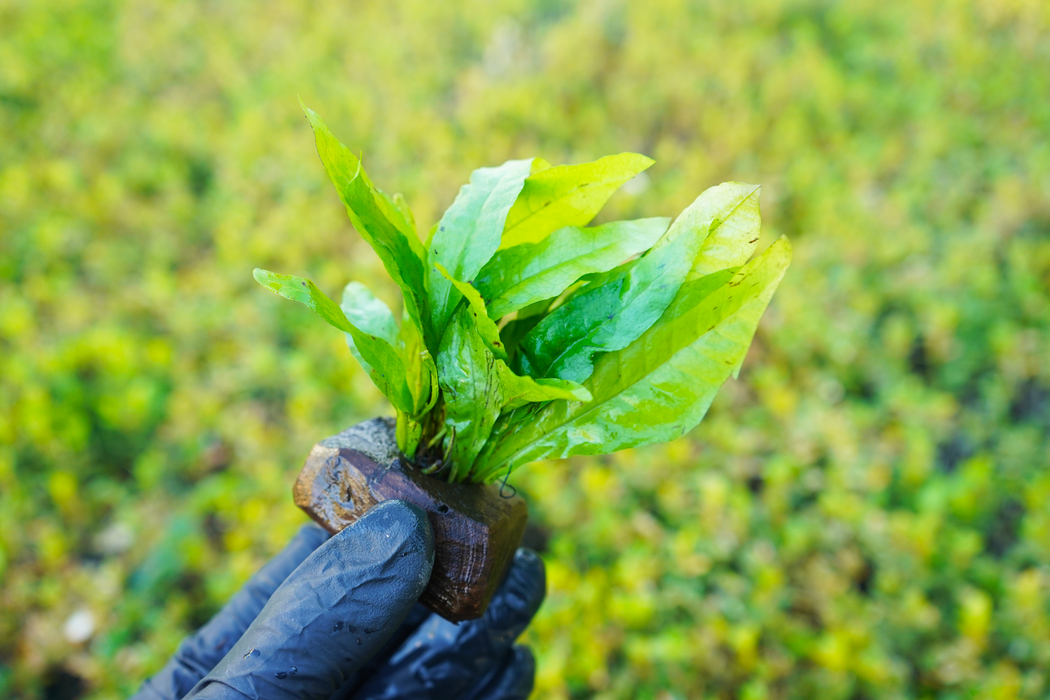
point(333, 613)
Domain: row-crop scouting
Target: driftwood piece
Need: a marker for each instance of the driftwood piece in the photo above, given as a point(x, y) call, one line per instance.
point(476, 531)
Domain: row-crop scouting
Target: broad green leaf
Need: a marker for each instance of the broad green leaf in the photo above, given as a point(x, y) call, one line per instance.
point(661, 385)
point(469, 232)
point(370, 315)
point(611, 315)
point(486, 326)
point(477, 387)
point(385, 365)
point(730, 212)
point(531, 272)
point(567, 195)
point(379, 220)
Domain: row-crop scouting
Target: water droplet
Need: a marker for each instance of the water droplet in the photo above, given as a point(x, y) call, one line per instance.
point(338, 626)
point(281, 675)
point(252, 652)
point(293, 671)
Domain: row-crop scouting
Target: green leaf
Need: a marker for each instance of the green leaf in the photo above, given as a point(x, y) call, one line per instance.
point(379, 220)
point(477, 387)
point(485, 325)
point(370, 315)
point(610, 315)
point(661, 385)
point(469, 232)
point(567, 195)
point(518, 390)
point(512, 333)
point(374, 317)
point(531, 272)
point(379, 355)
point(399, 203)
point(731, 214)
point(421, 375)
point(470, 387)
point(420, 367)
point(408, 433)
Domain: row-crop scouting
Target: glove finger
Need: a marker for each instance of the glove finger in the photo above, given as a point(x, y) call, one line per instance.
point(416, 617)
point(444, 660)
point(334, 613)
point(513, 680)
point(198, 653)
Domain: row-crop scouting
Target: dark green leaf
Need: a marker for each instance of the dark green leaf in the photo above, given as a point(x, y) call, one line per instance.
point(477, 387)
point(718, 230)
point(609, 316)
point(470, 387)
point(661, 385)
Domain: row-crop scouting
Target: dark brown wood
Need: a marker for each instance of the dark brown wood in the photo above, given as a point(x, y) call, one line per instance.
point(476, 531)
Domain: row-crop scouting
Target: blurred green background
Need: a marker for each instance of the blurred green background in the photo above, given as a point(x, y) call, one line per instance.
point(864, 514)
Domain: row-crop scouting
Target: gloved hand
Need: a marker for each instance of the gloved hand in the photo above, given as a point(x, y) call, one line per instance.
point(337, 618)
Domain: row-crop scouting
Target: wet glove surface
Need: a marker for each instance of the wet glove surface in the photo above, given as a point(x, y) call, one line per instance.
point(339, 619)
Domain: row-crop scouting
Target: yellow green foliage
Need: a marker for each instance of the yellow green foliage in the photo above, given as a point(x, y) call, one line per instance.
point(865, 513)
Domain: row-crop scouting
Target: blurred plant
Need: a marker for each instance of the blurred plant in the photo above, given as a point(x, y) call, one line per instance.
point(880, 464)
point(521, 283)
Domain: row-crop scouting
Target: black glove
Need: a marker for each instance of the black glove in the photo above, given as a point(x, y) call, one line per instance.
point(339, 619)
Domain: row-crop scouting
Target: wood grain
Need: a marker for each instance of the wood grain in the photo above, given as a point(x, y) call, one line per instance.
point(476, 531)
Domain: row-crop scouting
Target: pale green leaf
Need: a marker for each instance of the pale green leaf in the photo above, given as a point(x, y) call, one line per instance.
point(469, 232)
point(380, 357)
point(567, 195)
point(518, 391)
point(731, 214)
point(399, 202)
point(370, 315)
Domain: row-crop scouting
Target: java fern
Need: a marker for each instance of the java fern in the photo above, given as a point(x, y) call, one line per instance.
point(526, 334)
